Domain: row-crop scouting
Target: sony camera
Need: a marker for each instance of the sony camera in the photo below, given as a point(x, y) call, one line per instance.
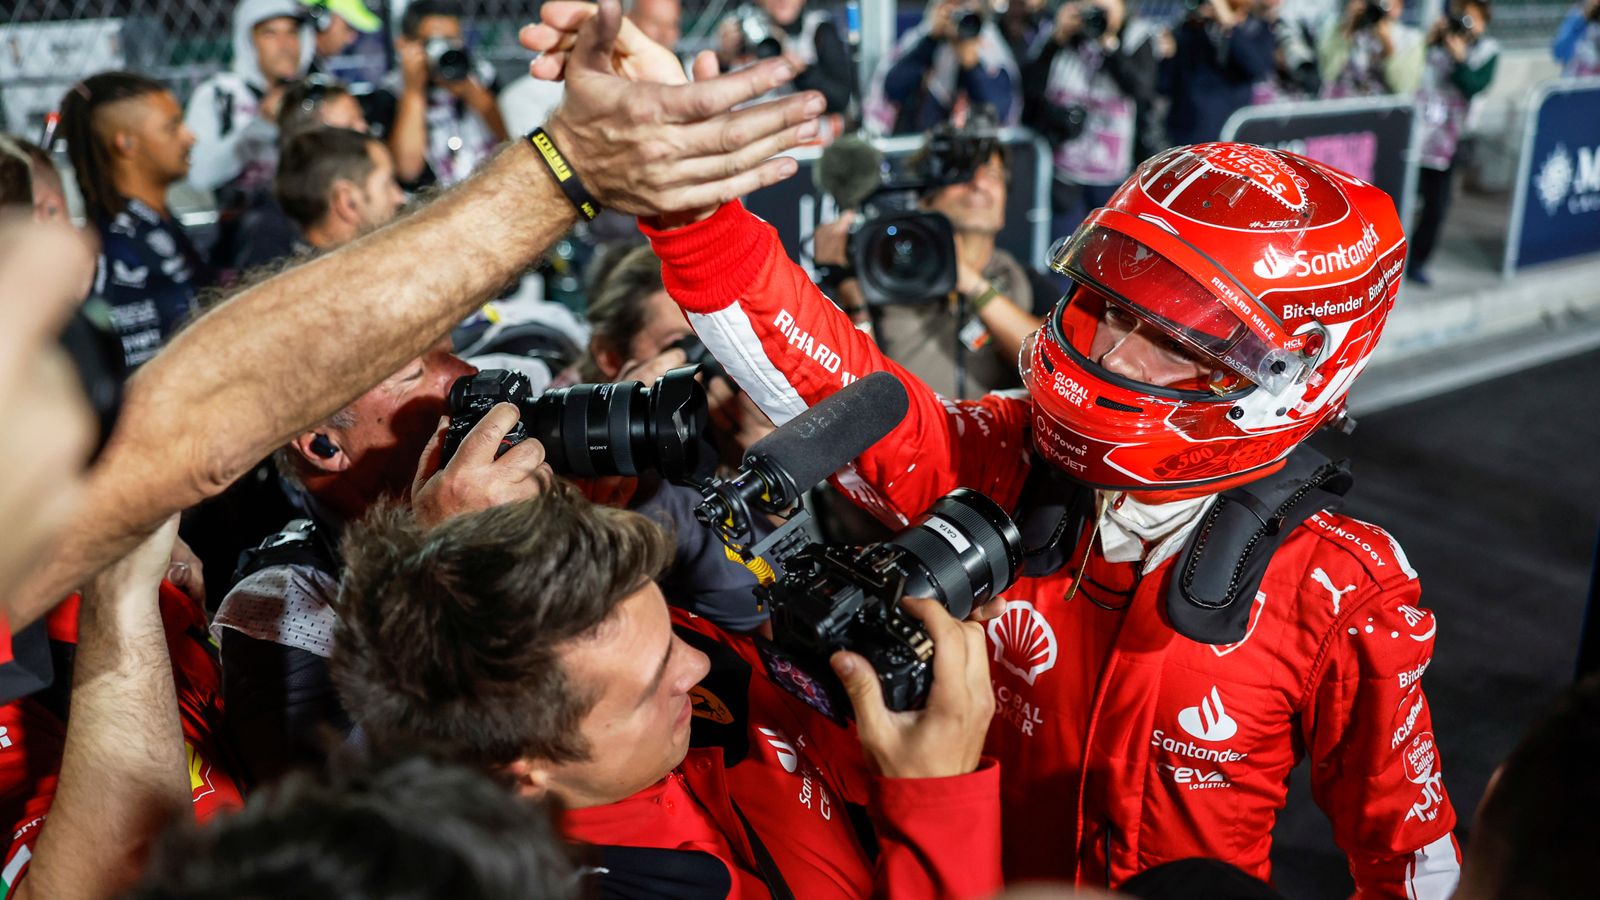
point(448, 59)
point(962, 552)
point(905, 255)
point(755, 28)
point(591, 430)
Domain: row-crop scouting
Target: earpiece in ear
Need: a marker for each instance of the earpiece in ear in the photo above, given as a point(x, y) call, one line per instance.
point(321, 446)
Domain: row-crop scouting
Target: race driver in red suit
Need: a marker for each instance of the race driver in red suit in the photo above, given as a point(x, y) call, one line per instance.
point(1221, 305)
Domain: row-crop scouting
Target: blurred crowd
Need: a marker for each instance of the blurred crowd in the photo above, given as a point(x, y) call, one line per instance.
point(302, 605)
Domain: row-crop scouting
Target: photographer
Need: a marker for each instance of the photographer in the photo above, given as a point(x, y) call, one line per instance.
point(1089, 91)
point(953, 64)
point(530, 641)
point(966, 344)
point(1461, 63)
point(1222, 49)
point(1369, 52)
point(439, 116)
point(1577, 43)
point(807, 38)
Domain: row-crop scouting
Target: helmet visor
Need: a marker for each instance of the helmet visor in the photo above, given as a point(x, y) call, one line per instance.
point(1161, 293)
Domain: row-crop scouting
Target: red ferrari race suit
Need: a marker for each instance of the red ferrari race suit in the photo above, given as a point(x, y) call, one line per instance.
point(1123, 744)
point(33, 729)
point(763, 763)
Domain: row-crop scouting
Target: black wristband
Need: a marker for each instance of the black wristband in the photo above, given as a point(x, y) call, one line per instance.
point(577, 194)
point(830, 277)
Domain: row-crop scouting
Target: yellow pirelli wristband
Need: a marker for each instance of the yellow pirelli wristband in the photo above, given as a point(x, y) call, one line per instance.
point(571, 185)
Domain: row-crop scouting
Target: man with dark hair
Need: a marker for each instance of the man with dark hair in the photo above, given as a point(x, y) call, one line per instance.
point(530, 640)
point(441, 122)
point(128, 143)
point(336, 184)
point(394, 831)
point(1535, 832)
point(316, 101)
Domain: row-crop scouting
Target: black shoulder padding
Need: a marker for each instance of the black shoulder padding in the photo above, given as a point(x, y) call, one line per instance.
point(1225, 558)
point(301, 543)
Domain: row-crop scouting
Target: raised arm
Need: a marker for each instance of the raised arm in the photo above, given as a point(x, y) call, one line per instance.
point(289, 352)
point(789, 346)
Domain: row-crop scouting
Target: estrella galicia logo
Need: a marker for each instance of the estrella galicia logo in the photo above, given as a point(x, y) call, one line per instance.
point(1554, 179)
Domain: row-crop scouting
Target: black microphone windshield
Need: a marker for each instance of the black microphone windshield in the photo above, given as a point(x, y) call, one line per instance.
point(849, 171)
point(825, 438)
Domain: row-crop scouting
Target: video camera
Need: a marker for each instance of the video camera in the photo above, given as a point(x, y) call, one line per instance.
point(902, 254)
point(591, 430)
point(962, 552)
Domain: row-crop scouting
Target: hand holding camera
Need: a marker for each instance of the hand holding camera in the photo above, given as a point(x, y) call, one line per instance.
point(945, 737)
point(487, 470)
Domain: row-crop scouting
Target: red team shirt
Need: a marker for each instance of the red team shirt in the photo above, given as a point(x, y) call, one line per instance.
point(937, 837)
point(32, 736)
point(1123, 744)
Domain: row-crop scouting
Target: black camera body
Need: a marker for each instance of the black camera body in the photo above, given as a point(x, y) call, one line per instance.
point(1374, 12)
point(963, 551)
point(905, 255)
point(1460, 24)
point(1095, 24)
point(968, 23)
point(592, 430)
point(448, 59)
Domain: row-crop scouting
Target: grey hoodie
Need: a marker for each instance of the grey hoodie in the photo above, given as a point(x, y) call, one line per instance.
point(232, 140)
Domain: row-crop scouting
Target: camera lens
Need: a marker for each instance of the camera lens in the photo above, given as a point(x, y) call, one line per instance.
point(592, 430)
point(968, 24)
point(448, 59)
point(963, 551)
point(906, 258)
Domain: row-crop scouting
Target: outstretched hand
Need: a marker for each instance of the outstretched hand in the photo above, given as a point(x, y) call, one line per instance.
point(643, 139)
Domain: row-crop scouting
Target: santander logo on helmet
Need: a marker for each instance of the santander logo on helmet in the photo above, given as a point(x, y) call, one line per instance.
point(1277, 271)
point(1275, 264)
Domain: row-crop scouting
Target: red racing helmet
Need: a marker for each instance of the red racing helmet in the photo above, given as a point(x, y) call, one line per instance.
point(1276, 271)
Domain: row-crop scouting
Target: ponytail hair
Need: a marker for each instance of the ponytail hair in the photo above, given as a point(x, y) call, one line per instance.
point(91, 158)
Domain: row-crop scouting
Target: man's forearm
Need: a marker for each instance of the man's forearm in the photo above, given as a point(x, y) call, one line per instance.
point(291, 351)
point(1009, 324)
point(408, 135)
point(123, 773)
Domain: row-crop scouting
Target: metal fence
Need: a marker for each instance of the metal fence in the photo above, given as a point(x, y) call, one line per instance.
point(48, 45)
